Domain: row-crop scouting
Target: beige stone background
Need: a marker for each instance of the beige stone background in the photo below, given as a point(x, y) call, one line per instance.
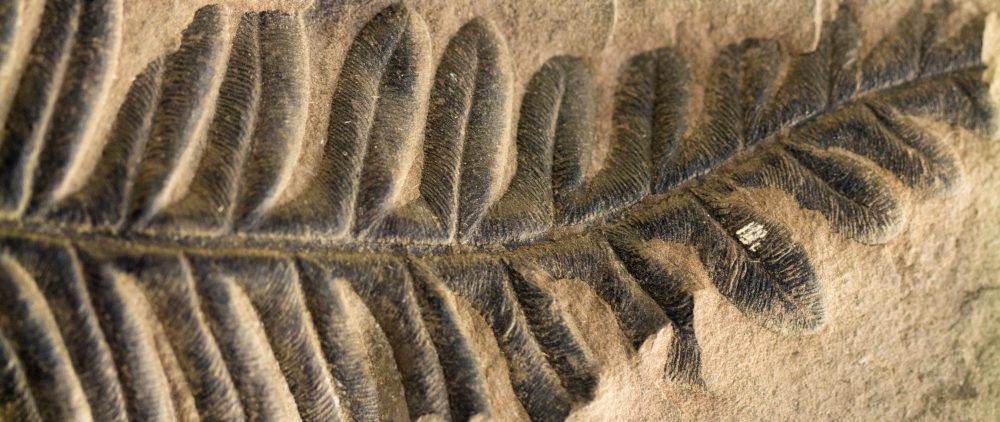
point(913, 327)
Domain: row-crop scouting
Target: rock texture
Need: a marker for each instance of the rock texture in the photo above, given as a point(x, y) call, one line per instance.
point(441, 228)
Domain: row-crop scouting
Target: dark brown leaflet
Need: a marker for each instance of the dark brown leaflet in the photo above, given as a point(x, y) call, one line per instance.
point(58, 100)
point(177, 282)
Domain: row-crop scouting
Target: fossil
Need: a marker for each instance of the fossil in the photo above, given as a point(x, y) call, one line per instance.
point(178, 280)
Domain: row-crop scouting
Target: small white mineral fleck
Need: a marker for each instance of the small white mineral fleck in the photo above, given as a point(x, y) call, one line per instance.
point(751, 234)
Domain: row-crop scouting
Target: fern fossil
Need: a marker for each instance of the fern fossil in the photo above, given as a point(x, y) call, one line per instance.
point(177, 282)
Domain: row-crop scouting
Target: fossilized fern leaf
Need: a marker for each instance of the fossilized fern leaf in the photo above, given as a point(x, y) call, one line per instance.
point(175, 272)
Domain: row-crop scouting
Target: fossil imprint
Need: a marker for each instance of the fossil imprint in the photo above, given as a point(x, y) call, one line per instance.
point(181, 279)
